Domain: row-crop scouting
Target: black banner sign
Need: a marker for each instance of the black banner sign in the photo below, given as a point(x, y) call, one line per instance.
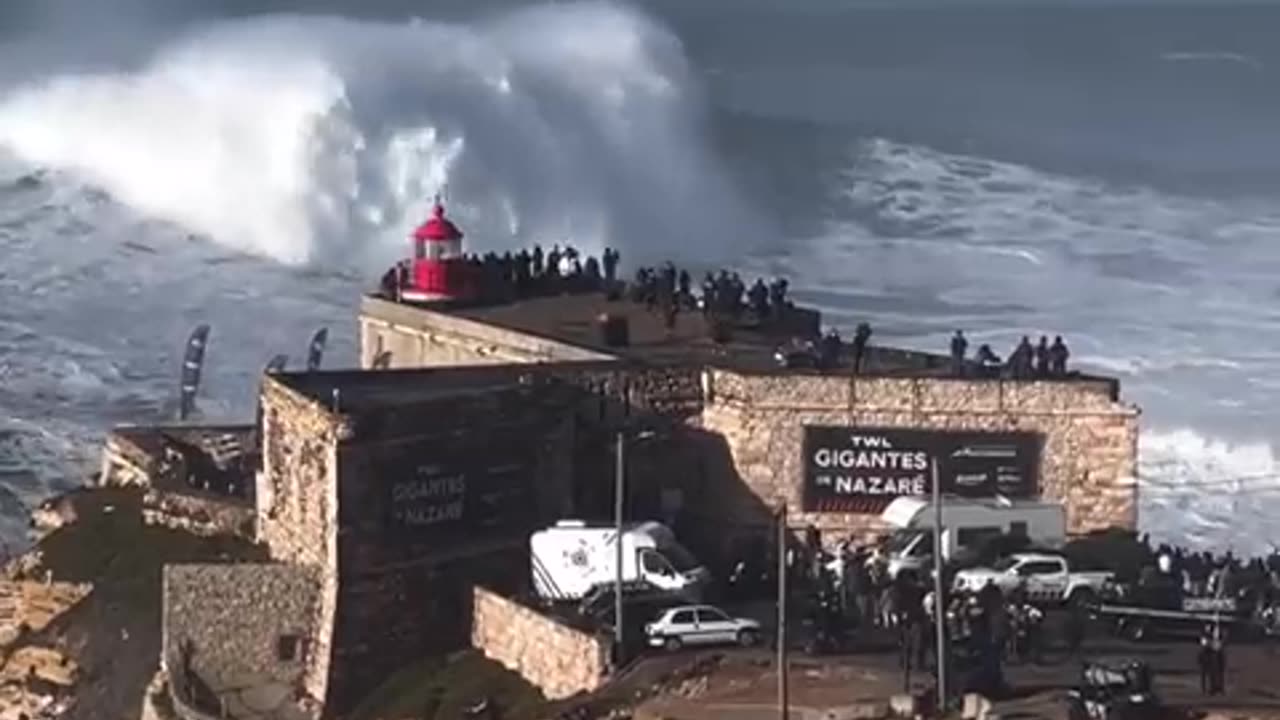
point(438, 489)
point(849, 469)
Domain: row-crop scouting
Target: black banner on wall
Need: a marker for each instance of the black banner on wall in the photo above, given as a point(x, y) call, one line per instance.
point(849, 469)
point(438, 488)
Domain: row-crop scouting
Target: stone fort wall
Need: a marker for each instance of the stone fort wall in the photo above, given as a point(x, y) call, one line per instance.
point(234, 617)
point(557, 659)
point(405, 589)
point(134, 456)
point(297, 513)
point(414, 338)
point(1088, 459)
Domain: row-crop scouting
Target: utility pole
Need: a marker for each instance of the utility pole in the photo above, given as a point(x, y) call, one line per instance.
point(783, 700)
point(619, 473)
point(939, 607)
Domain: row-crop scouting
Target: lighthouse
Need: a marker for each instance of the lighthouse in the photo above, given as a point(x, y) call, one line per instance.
point(438, 270)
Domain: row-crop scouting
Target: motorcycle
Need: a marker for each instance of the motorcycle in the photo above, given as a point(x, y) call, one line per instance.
point(1114, 692)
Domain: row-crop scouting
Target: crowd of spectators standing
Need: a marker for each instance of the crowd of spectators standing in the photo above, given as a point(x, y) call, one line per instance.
point(508, 277)
point(848, 591)
point(1025, 362)
point(725, 299)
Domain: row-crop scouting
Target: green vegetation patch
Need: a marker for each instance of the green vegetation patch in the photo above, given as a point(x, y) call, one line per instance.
point(443, 689)
point(108, 545)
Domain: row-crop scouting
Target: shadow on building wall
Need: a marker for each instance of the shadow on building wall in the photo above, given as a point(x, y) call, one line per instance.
point(674, 471)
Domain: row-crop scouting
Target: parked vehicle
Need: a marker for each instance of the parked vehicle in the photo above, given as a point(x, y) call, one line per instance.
point(969, 524)
point(1139, 612)
point(700, 625)
point(1044, 577)
point(572, 560)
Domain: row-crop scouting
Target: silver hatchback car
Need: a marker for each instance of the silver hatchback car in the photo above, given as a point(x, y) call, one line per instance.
point(700, 625)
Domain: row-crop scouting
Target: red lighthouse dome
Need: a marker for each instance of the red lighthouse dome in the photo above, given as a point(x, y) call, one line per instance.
point(439, 228)
point(439, 268)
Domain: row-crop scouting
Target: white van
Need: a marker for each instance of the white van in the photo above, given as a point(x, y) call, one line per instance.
point(571, 558)
point(967, 523)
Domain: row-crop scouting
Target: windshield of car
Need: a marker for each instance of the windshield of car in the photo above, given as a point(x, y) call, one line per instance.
point(1004, 564)
point(681, 559)
point(654, 563)
point(900, 541)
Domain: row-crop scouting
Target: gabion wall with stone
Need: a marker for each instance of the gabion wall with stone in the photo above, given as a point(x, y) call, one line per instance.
point(1088, 459)
point(235, 616)
point(552, 656)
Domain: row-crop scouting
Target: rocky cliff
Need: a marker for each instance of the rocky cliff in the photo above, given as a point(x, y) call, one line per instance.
point(80, 611)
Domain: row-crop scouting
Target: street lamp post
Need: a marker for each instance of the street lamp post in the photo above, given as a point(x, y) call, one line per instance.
point(619, 473)
point(939, 608)
point(619, 493)
point(783, 699)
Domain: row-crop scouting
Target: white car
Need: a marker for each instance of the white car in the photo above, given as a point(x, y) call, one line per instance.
point(700, 625)
point(1046, 578)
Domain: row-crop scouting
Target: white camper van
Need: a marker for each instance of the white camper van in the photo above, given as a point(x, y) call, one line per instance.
point(966, 524)
point(571, 558)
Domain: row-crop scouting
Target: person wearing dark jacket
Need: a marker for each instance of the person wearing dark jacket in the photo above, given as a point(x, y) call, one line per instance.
point(990, 361)
point(1058, 355)
point(1204, 660)
point(758, 298)
point(830, 347)
point(959, 345)
point(1073, 629)
point(861, 336)
point(1212, 660)
point(610, 262)
point(1043, 357)
point(1022, 359)
point(1218, 661)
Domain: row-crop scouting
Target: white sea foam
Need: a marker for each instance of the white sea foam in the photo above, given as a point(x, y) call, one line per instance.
point(1210, 493)
point(1213, 56)
point(315, 143)
point(317, 139)
point(1172, 294)
point(318, 142)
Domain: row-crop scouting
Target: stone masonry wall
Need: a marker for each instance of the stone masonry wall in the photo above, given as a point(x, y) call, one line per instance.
point(391, 618)
point(671, 391)
point(1088, 460)
point(406, 592)
point(123, 464)
point(553, 657)
point(234, 616)
point(297, 513)
point(198, 515)
point(416, 337)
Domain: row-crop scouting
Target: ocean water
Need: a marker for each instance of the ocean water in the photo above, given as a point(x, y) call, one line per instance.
point(1104, 171)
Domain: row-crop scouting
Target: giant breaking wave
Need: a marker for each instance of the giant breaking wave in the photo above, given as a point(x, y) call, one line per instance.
point(257, 174)
point(316, 139)
point(316, 142)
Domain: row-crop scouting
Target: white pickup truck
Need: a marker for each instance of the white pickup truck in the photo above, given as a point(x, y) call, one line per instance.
point(1046, 578)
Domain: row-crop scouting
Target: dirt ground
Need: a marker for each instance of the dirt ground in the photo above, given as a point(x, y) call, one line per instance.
point(743, 684)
